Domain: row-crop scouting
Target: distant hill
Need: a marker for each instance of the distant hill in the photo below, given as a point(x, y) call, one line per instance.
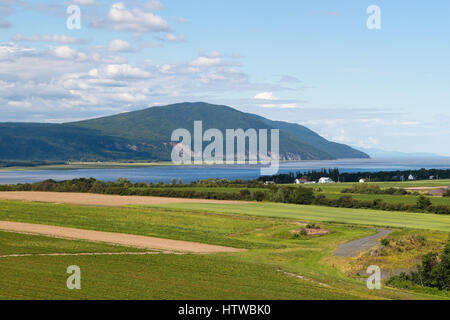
point(378, 153)
point(145, 135)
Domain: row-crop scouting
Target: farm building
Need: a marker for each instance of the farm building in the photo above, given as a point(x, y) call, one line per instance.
point(326, 180)
point(301, 181)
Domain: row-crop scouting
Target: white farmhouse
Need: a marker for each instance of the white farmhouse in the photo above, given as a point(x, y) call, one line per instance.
point(301, 181)
point(411, 177)
point(326, 180)
point(362, 180)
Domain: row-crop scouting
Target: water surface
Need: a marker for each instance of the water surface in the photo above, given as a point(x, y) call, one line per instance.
point(193, 173)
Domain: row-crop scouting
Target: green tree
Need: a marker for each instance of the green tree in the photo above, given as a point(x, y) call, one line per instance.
point(124, 182)
point(423, 203)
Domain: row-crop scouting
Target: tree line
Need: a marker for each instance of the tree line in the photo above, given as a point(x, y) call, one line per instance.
point(251, 191)
point(337, 176)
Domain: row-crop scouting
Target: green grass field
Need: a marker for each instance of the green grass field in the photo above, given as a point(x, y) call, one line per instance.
point(326, 214)
point(334, 191)
point(155, 222)
point(407, 199)
point(264, 271)
point(338, 187)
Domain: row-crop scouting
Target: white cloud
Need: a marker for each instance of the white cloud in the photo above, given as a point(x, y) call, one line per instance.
point(63, 83)
point(129, 97)
point(174, 38)
point(280, 105)
point(47, 38)
point(124, 71)
point(205, 62)
point(11, 50)
point(154, 5)
point(214, 54)
point(289, 106)
point(134, 20)
point(166, 68)
point(119, 46)
point(19, 104)
point(265, 96)
point(84, 2)
point(64, 52)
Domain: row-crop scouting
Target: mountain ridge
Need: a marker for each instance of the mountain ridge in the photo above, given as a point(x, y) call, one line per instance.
point(145, 135)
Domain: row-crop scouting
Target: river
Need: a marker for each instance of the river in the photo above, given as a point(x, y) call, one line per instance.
point(193, 173)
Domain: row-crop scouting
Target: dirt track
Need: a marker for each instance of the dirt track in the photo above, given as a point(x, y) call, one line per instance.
point(91, 199)
point(351, 249)
point(115, 238)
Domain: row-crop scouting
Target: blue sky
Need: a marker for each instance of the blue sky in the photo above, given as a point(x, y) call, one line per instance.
point(311, 62)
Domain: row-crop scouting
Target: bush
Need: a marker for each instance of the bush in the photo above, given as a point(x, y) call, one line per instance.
point(423, 203)
point(385, 242)
point(439, 209)
point(345, 201)
point(374, 189)
point(258, 196)
point(244, 193)
point(434, 272)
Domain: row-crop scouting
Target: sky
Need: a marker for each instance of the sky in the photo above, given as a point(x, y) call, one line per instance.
point(315, 63)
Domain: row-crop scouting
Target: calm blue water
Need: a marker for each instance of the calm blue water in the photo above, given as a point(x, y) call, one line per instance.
point(194, 173)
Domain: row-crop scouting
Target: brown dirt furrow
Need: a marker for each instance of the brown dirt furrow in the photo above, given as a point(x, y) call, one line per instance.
point(91, 199)
point(126, 240)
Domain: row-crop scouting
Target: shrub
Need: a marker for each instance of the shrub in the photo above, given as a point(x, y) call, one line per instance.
point(385, 242)
point(374, 189)
point(423, 203)
point(377, 203)
point(244, 193)
point(439, 209)
point(320, 199)
point(258, 196)
point(434, 272)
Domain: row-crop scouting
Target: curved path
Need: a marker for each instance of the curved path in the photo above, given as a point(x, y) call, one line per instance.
point(126, 240)
point(351, 249)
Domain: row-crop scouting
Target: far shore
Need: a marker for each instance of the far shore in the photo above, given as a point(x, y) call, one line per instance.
point(89, 165)
point(115, 165)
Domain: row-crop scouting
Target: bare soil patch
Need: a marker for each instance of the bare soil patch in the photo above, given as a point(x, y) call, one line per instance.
point(313, 232)
point(115, 238)
point(91, 199)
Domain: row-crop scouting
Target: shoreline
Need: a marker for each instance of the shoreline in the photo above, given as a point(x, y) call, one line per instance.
point(79, 165)
point(125, 165)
